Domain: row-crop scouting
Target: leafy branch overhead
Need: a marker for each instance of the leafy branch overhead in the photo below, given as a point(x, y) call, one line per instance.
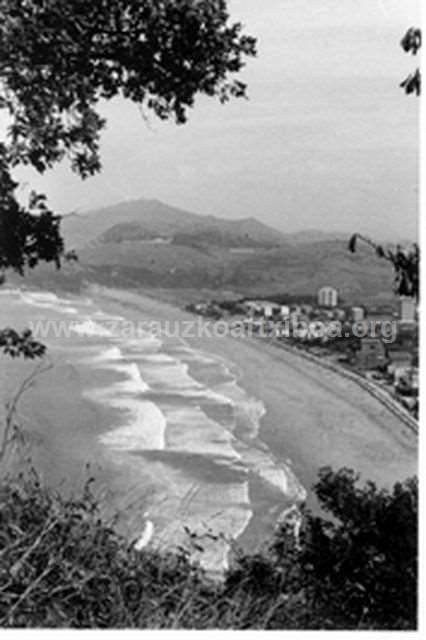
point(405, 263)
point(411, 43)
point(59, 59)
point(26, 235)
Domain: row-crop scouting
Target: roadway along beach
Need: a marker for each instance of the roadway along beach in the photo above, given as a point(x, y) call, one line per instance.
point(313, 417)
point(220, 433)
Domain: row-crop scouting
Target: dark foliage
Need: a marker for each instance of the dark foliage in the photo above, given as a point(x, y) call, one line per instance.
point(413, 83)
point(411, 43)
point(364, 567)
point(406, 264)
point(58, 59)
point(23, 344)
point(355, 571)
point(26, 235)
point(62, 566)
point(61, 58)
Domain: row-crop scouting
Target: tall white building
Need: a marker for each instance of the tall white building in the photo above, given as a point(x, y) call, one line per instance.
point(328, 297)
point(407, 310)
point(357, 314)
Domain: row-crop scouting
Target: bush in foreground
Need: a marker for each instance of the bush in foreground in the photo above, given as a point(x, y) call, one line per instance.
point(62, 566)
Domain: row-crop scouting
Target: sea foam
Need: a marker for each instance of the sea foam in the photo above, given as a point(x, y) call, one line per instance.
point(144, 429)
point(90, 328)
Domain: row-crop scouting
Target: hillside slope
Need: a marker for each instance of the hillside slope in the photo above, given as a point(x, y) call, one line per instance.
point(147, 244)
point(149, 219)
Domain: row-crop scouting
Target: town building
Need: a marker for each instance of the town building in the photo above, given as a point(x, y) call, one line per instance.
point(268, 310)
point(406, 380)
point(411, 381)
point(252, 307)
point(407, 337)
point(407, 310)
point(307, 309)
point(357, 314)
point(264, 308)
point(294, 316)
point(382, 313)
point(399, 366)
point(399, 358)
point(296, 308)
point(371, 354)
point(328, 297)
point(339, 314)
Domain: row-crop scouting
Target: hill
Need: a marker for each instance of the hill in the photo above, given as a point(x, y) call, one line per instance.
point(152, 219)
point(314, 235)
point(147, 244)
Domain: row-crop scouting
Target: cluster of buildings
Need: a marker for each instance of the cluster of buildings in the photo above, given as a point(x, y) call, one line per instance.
point(381, 341)
point(326, 311)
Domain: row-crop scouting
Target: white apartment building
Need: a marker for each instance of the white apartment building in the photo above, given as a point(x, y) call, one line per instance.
point(328, 297)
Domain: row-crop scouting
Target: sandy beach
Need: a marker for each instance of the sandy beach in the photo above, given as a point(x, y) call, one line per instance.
point(313, 417)
point(225, 431)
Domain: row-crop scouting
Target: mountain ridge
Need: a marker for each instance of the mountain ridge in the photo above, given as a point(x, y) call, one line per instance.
point(148, 244)
point(156, 218)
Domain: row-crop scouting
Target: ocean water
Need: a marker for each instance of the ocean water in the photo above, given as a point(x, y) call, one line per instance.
point(178, 422)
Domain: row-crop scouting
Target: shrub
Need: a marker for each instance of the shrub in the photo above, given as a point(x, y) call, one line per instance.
point(61, 565)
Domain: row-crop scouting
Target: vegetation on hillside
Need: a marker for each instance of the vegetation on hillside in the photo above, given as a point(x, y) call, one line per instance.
point(62, 566)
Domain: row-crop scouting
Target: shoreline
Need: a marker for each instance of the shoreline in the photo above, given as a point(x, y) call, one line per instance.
point(374, 390)
point(307, 387)
point(381, 394)
point(314, 416)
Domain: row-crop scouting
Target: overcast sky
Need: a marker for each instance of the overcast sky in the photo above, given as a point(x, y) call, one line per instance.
point(327, 140)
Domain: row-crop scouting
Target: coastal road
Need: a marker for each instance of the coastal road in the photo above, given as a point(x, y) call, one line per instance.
point(314, 417)
point(317, 417)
